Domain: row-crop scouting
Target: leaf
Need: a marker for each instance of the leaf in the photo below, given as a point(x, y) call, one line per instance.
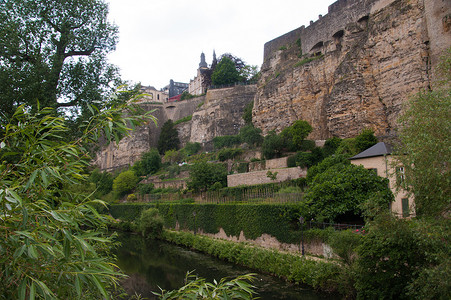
point(19, 251)
point(32, 253)
point(78, 286)
point(23, 289)
point(31, 180)
point(32, 291)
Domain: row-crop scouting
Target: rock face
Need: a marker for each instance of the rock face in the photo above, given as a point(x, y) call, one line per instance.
point(221, 114)
point(217, 113)
point(367, 59)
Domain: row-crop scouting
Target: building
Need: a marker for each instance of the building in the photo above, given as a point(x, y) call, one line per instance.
point(175, 88)
point(379, 159)
point(202, 81)
point(153, 95)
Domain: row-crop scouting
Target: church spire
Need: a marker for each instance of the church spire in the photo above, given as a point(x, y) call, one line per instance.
point(203, 63)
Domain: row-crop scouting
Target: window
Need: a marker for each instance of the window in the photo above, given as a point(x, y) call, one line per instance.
point(400, 175)
point(405, 207)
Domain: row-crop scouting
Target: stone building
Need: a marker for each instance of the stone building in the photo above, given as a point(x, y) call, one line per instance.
point(153, 95)
point(175, 88)
point(202, 81)
point(379, 159)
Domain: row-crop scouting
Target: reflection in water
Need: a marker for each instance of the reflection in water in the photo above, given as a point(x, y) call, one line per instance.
point(152, 264)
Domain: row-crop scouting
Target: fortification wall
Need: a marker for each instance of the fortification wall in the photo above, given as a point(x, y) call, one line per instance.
point(259, 177)
point(339, 15)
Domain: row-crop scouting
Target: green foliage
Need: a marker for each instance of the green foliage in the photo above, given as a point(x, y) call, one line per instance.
point(150, 223)
point(425, 151)
point(145, 188)
point(102, 180)
point(402, 259)
point(365, 140)
point(251, 135)
point(53, 51)
point(225, 73)
point(149, 163)
point(273, 145)
point(307, 159)
point(186, 95)
point(296, 133)
point(307, 145)
point(173, 156)
point(51, 238)
point(340, 192)
point(125, 182)
point(192, 148)
point(344, 244)
point(204, 174)
point(183, 120)
point(319, 275)
point(306, 60)
point(331, 145)
point(198, 288)
point(325, 164)
point(226, 141)
point(229, 153)
point(347, 147)
point(169, 138)
point(271, 175)
point(247, 115)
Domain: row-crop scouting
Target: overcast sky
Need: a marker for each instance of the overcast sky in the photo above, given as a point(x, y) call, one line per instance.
point(162, 40)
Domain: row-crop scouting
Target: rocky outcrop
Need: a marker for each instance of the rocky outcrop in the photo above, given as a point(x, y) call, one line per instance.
point(221, 114)
point(360, 76)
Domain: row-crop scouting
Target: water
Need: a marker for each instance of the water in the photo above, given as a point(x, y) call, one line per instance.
point(153, 264)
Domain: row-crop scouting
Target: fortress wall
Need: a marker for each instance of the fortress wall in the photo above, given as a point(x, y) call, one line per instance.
point(339, 15)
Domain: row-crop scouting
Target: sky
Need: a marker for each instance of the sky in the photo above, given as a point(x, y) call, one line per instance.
point(160, 40)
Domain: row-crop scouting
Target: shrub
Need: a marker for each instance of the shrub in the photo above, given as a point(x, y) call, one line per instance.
point(251, 135)
point(220, 142)
point(296, 133)
point(247, 114)
point(344, 244)
point(191, 148)
point(307, 145)
point(169, 138)
point(331, 145)
point(151, 223)
point(229, 153)
point(149, 163)
point(204, 174)
point(131, 198)
point(145, 188)
point(183, 120)
point(173, 156)
point(125, 182)
point(365, 140)
point(273, 145)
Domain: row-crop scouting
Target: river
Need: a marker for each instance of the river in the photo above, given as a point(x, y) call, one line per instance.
point(151, 264)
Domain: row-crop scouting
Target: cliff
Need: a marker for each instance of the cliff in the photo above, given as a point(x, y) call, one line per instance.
point(353, 68)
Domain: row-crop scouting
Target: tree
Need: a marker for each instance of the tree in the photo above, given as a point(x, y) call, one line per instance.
point(149, 163)
point(54, 52)
point(273, 145)
point(125, 182)
point(52, 241)
point(225, 73)
point(251, 135)
point(340, 192)
point(296, 133)
point(169, 138)
point(365, 140)
point(425, 150)
point(247, 114)
point(202, 175)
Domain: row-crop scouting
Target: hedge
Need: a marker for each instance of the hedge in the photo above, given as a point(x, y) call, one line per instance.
point(318, 274)
point(279, 221)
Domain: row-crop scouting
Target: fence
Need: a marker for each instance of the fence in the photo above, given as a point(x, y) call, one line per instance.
point(336, 226)
point(222, 86)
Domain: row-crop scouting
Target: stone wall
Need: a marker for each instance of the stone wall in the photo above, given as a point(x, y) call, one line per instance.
point(260, 177)
point(221, 114)
point(364, 73)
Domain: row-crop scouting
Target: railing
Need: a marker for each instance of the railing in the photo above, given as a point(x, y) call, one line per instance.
point(336, 226)
point(223, 86)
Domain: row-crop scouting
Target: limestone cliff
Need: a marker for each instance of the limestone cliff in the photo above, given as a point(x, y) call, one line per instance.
point(355, 75)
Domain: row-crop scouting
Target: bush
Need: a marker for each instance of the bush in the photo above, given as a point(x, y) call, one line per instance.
point(331, 145)
point(204, 174)
point(125, 182)
point(173, 156)
point(307, 145)
point(169, 138)
point(131, 198)
point(145, 188)
point(220, 142)
point(247, 115)
point(365, 140)
point(296, 133)
point(183, 120)
point(344, 244)
point(149, 163)
point(102, 180)
point(229, 153)
point(191, 148)
point(151, 223)
point(273, 145)
point(251, 135)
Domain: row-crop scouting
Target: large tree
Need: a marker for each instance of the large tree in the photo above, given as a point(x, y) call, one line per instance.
point(54, 52)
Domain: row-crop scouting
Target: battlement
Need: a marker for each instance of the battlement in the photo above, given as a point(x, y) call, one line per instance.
point(340, 13)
